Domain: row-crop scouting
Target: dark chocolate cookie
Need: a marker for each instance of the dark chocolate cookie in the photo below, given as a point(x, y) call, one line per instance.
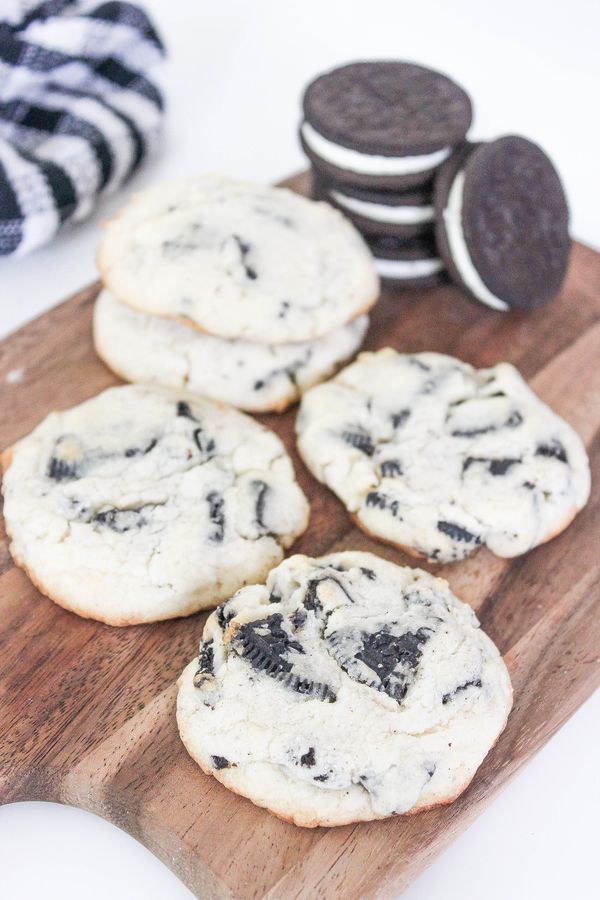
point(403, 263)
point(383, 123)
point(502, 223)
point(402, 214)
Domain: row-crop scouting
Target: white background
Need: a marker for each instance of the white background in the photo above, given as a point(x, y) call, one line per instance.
point(234, 79)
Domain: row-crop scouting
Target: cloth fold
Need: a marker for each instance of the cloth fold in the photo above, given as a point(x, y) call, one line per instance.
point(80, 108)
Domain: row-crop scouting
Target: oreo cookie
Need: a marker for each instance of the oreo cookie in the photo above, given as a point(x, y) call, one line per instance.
point(403, 214)
point(502, 223)
point(406, 263)
point(386, 658)
point(383, 124)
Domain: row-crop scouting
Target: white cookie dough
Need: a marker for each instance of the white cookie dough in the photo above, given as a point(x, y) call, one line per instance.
point(143, 504)
point(254, 377)
point(238, 260)
point(344, 690)
point(432, 455)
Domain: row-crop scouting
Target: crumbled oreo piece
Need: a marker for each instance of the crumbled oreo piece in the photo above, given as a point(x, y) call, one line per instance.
point(205, 445)
point(495, 467)
point(216, 514)
point(141, 451)
point(382, 501)
point(474, 682)
point(185, 411)
point(360, 440)
point(308, 758)
point(399, 418)
point(552, 450)
point(66, 460)
point(311, 599)
point(266, 644)
point(262, 490)
point(121, 520)
point(206, 663)
point(390, 468)
point(61, 470)
point(244, 248)
point(458, 533)
point(389, 659)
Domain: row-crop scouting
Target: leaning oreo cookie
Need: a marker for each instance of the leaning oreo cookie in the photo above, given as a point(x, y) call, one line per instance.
point(383, 124)
point(345, 689)
point(403, 214)
point(502, 223)
point(406, 263)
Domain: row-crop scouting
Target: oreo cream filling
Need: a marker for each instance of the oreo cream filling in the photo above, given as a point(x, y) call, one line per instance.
point(459, 250)
point(370, 164)
point(407, 268)
point(383, 212)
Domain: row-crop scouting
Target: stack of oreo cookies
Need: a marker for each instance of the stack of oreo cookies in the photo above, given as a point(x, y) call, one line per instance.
point(387, 143)
point(376, 133)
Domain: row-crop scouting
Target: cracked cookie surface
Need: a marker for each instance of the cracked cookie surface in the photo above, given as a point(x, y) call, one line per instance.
point(439, 458)
point(143, 504)
point(345, 689)
point(252, 376)
point(238, 260)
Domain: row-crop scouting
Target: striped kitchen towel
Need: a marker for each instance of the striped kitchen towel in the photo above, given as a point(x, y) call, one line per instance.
point(79, 110)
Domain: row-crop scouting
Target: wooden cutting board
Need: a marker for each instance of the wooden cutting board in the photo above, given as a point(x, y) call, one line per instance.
point(87, 711)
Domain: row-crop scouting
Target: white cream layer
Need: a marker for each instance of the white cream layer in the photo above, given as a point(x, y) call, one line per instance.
point(367, 164)
point(381, 212)
point(407, 268)
point(459, 250)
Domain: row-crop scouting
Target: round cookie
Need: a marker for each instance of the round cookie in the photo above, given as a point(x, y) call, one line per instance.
point(404, 215)
point(383, 124)
point(502, 223)
point(238, 260)
point(346, 689)
point(434, 456)
point(410, 263)
point(254, 377)
point(143, 504)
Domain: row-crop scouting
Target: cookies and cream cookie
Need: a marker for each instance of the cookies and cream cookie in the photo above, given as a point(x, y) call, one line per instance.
point(144, 504)
point(252, 376)
point(432, 455)
point(238, 260)
point(345, 689)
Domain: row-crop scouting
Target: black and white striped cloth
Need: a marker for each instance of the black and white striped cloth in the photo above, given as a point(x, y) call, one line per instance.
point(79, 110)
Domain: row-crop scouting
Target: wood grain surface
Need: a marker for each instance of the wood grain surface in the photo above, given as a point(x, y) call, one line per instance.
point(87, 711)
